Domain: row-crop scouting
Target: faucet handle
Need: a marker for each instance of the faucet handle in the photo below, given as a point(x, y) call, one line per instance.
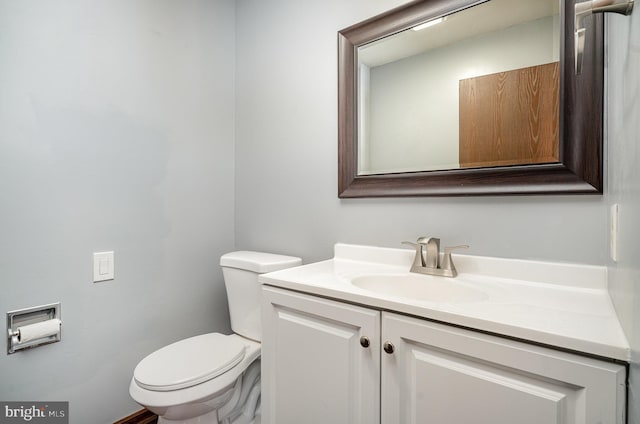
point(447, 261)
point(418, 260)
point(448, 250)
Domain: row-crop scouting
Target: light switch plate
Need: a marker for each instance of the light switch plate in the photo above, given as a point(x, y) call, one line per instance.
point(613, 232)
point(103, 266)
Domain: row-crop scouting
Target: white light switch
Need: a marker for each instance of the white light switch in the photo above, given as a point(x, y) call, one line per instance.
point(103, 266)
point(613, 232)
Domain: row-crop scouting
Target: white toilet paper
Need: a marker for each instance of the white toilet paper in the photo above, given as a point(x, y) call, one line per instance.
point(38, 331)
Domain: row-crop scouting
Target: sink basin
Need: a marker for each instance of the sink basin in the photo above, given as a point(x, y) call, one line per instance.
point(420, 287)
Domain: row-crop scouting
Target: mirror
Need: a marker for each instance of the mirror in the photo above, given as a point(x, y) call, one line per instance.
point(422, 91)
point(469, 97)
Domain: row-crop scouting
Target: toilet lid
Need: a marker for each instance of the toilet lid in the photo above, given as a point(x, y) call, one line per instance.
point(189, 362)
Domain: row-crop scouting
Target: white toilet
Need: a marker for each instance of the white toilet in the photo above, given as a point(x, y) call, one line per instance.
point(213, 378)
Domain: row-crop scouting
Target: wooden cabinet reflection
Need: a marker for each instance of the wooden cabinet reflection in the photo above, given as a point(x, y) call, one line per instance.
point(510, 118)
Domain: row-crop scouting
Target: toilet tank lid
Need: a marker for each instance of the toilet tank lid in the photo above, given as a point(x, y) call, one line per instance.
point(258, 261)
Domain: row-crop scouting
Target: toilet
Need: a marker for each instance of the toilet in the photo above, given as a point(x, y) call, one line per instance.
point(213, 378)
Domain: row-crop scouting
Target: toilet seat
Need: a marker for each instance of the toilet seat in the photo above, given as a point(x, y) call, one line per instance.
point(189, 362)
point(200, 392)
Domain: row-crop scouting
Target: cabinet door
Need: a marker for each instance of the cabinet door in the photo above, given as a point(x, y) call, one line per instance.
point(314, 368)
point(440, 374)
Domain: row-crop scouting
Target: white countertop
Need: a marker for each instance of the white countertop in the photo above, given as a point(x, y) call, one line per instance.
point(563, 305)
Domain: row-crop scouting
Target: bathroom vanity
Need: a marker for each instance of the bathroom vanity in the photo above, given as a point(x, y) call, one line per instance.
point(359, 339)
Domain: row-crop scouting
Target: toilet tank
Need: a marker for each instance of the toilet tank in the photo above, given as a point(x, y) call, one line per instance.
point(240, 271)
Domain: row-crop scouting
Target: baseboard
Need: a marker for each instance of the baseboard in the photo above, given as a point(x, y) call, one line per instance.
point(143, 416)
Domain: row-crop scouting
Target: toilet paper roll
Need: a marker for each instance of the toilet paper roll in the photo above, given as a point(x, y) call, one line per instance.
point(39, 330)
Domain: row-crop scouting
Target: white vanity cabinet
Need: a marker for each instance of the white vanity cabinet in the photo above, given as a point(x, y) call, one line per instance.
point(446, 375)
point(316, 370)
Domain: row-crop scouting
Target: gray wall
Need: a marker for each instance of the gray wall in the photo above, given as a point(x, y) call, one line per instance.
point(286, 158)
point(116, 133)
point(624, 183)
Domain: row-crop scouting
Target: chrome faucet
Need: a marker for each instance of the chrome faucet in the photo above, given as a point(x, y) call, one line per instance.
point(427, 259)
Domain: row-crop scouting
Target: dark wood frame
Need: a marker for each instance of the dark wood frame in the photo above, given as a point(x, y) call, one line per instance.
point(143, 416)
point(581, 118)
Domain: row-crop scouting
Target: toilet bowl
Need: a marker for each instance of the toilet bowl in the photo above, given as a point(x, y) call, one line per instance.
point(213, 377)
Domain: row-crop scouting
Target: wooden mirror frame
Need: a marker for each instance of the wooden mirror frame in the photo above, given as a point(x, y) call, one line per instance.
point(579, 170)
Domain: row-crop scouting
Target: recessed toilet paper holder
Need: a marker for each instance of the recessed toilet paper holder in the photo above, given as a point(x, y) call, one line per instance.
point(42, 323)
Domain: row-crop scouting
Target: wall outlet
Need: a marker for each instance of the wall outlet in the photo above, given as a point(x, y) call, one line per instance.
point(103, 266)
point(613, 232)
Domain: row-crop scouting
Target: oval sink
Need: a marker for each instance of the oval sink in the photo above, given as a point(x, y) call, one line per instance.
point(420, 287)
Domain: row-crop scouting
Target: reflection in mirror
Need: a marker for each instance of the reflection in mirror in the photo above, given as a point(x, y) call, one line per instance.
point(488, 102)
point(477, 88)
